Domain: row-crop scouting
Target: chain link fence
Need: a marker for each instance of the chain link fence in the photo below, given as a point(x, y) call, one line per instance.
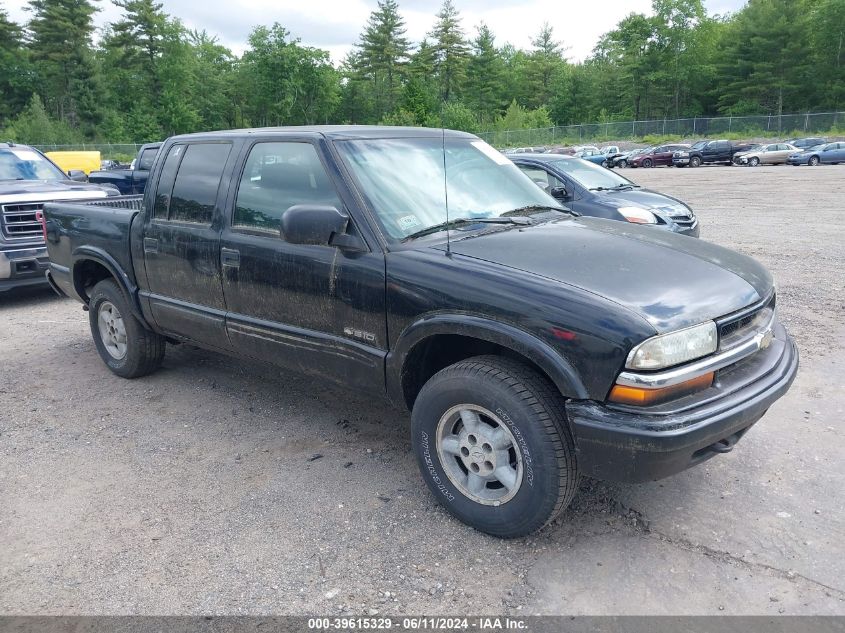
point(763, 126)
point(759, 126)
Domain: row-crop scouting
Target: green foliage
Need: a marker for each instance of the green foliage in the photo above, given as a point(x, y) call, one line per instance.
point(518, 118)
point(454, 116)
point(451, 51)
point(383, 54)
point(35, 126)
point(148, 76)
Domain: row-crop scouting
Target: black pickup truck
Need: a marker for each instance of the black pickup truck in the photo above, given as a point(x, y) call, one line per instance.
point(531, 345)
point(708, 152)
point(133, 180)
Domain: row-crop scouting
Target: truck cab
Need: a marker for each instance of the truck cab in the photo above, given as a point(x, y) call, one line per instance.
point(530, 344)
point(130, 181)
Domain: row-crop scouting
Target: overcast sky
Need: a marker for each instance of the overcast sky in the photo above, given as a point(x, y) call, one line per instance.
point(334, 25)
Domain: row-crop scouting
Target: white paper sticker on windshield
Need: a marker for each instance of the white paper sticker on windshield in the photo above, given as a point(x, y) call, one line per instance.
point(490, 152)
point(408, 222)
point(25, 154)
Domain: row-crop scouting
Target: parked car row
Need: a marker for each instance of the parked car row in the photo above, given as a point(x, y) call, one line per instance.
point(799, 151)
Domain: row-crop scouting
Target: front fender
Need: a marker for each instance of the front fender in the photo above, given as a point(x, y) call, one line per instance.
point(555, 366)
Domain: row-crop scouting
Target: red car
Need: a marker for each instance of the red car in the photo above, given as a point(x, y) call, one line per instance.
point(660, 155)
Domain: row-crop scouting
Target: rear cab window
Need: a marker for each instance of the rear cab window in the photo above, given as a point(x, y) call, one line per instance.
point(145, 162)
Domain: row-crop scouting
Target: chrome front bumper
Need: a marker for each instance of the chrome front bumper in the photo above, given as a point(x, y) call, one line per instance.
point(22, 266)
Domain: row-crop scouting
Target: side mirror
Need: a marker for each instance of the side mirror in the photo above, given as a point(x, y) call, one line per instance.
point(560, 193)
point(77, 175)
point(319, 226)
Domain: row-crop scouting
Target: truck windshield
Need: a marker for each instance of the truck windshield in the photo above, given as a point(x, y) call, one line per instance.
point(403, 181)
point(19, 163)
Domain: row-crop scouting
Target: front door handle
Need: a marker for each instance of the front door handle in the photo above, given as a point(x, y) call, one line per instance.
point(230, 258)
point(150, 245)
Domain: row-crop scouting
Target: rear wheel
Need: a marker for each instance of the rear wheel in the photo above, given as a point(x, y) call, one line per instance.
point(814, 160)
point(492, 443)
point(128, 348)
point(695, 161)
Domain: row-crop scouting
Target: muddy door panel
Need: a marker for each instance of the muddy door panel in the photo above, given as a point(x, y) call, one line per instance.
point(181, 245)
point(309, 308)
point(312, 307)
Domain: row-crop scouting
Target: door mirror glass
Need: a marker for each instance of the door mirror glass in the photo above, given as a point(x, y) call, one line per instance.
point(77, 175)
point(312, 224)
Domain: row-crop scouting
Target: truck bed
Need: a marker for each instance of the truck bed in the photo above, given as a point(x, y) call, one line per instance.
point(101, 226)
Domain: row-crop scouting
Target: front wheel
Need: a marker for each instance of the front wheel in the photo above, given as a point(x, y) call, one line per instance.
point(695, 161)
point(754, 162)
point(814, 160)
point(647, 163)
point(604, 164)
point(623, 163)
point(128, 348)
point(492, 443)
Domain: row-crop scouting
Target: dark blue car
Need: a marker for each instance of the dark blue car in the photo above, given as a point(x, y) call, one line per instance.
point(594, 191)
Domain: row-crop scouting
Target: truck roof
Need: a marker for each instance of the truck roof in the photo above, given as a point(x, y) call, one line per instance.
point(345, 132)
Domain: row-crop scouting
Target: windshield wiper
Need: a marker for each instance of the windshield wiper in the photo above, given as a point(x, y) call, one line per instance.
point(461, 221)
point(618, 187)
point(533, 208)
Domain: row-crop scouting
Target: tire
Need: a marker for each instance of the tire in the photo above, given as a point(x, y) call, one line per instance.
point(695, 161)
point(754, 162)
point(604, 164)
point(814, 161)
point(622, 163)
point(488, 408)
point(127, 348)
point(647, 162)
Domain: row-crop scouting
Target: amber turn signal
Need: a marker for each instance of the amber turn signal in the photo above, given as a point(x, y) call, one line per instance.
point(640, 396)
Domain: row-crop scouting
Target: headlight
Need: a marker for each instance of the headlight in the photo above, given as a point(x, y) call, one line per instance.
point(682, 154)
point(674, 348)
point(638, 215)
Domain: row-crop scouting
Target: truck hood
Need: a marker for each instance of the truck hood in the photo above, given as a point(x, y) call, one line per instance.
point(672, 281)
point(41, 190)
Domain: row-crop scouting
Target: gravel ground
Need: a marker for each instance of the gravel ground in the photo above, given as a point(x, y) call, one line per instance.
point(217, 486)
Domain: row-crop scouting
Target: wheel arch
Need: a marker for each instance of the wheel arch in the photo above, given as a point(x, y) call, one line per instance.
point(435, 342)
point(92, 265)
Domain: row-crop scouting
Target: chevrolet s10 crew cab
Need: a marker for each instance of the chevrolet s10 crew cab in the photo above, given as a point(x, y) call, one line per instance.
point(531, 345)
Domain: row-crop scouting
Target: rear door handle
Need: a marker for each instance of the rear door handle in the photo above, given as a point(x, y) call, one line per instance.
point(230, 258)
point(150, 245)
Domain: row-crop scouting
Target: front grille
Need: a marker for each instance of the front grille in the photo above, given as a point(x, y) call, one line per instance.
point(680, 216)
point(745, 325)
point(19, 221)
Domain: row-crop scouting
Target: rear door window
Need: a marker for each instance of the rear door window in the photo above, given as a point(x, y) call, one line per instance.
point(166, 180)
point(197, 182)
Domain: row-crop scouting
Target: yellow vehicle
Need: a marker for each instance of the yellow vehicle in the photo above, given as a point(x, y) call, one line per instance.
point(84, 161)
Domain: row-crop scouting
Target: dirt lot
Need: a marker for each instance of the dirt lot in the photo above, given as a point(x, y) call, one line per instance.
point(199, 489)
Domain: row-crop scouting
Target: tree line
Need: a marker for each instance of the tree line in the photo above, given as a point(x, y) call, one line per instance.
point(147, 76)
